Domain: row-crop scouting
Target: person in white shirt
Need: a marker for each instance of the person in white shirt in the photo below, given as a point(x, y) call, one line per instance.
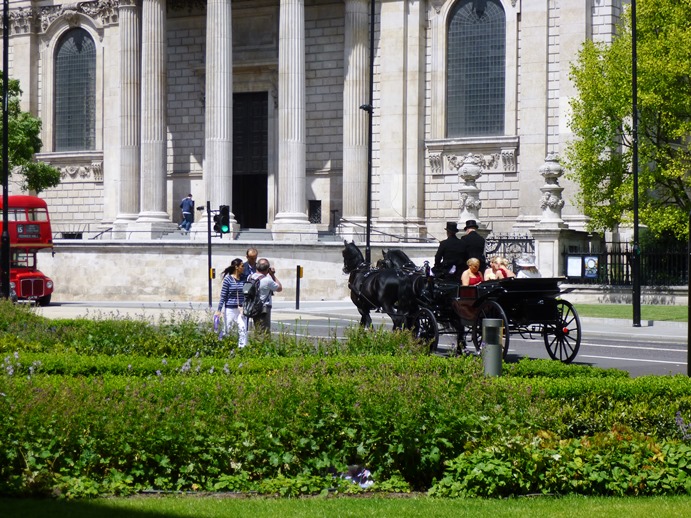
point(268, 285)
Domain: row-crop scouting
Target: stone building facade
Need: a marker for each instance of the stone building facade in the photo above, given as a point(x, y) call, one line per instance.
point(258, 104)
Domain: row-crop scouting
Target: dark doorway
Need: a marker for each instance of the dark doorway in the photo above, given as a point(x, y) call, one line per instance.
point(250, 159)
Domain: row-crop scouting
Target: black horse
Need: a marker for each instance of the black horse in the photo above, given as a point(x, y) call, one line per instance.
point(388, 290)
point(396, 258)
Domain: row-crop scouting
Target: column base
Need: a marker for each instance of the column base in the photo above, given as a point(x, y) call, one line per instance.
point(150, 229)
point(294, 227)
point(122, 221)
point(199, 230)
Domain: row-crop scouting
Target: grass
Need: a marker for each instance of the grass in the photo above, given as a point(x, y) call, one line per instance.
point(625, 311)
point(214, 506)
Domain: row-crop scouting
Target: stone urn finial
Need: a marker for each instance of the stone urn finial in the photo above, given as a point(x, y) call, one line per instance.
point(469, 170)
point(551, 202)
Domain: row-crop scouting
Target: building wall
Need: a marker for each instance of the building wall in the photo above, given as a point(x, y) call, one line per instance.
point(543, 37)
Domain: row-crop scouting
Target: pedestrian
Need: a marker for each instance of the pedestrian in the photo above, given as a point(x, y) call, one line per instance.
point(230, 303)
point(268, 285)
point(474, 243)
point(451, 254)
point(187, 206)
point(250, 266)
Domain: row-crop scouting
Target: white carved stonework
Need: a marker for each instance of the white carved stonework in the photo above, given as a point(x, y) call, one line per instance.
point(469, 170)
point(436, 163)
point(23, 20)
point(494, 154)
point(551, 201)
point(103, 11)
point(80, 173)
point(437, 5)
point(508, 159)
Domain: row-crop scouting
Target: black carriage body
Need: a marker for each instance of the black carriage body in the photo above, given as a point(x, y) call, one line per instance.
point(526, 306)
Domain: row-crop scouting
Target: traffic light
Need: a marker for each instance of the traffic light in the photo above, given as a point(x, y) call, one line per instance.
point(217, 223)
point(224, 211)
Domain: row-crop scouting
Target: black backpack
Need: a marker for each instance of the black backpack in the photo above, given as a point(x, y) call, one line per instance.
point(252, 306)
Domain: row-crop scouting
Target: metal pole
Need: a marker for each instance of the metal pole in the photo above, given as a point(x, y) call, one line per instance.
point(636, 255)
point(370, 110)
point(688, 312)
point(208, 241)
point(5, 240)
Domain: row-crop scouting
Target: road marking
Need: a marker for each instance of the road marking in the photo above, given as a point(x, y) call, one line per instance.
point(635, 347)
point(628, 359)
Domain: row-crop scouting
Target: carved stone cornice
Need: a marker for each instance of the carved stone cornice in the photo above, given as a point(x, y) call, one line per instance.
point(79, 173)
point(103, 11)
point(493, 154)
point(23, 20)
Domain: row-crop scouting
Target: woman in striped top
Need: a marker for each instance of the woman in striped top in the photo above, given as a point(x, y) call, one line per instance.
point(232, 299)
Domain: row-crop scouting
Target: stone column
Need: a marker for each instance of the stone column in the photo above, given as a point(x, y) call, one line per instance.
point(153, 213)
point(130, 104)
point(535, 33)
point(355, 120)
point(218, 163)
point(291, 221)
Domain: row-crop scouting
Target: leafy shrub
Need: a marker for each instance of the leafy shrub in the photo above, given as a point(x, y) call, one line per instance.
point(112, 406)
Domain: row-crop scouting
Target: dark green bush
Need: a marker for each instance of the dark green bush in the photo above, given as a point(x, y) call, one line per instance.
point(111, 406)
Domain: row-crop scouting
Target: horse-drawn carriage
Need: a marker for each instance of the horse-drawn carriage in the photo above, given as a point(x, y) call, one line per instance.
point(527, 307)
point(432, 306)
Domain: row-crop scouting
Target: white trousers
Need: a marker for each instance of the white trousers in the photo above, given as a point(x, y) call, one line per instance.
point(235, 318)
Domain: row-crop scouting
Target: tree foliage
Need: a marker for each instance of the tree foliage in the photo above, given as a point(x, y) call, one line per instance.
point(24, 142)
point(600, 156)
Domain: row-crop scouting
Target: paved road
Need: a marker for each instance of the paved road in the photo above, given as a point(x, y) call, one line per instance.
point(654, 348)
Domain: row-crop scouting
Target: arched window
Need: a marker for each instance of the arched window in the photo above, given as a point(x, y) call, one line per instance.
point(475, 75)
point(75, 92)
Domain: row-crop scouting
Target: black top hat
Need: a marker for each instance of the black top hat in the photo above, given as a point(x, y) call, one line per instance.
point(451, 226)
point(471, 223)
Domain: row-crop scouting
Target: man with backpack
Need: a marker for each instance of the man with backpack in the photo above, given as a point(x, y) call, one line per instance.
point(268, 284)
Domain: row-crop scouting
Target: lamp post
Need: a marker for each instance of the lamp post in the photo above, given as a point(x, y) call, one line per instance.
point(369, 108)
point(5, 243)
point(636, 255)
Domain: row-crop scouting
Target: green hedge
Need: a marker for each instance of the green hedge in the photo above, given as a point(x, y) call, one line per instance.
point(106, 407)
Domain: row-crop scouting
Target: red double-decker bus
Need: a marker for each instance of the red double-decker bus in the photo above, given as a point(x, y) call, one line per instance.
point(28, 225)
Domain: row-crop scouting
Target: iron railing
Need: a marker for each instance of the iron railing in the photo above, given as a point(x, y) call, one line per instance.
point(611, 266)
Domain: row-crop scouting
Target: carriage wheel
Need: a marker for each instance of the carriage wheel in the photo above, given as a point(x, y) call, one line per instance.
point(425, 328)
point(563, 339)
point(491, 309)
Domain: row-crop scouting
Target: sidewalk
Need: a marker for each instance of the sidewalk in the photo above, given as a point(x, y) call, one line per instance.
point(338, 310)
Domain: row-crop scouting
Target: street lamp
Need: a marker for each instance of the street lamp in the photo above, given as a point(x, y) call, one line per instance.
point(5, 242)
point(369, 108)
point(636, 255)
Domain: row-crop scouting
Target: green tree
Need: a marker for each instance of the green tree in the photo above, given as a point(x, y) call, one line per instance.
point(24, 142)
point(600, 156)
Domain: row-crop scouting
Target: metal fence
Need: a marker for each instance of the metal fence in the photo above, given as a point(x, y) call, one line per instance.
point(612, 266)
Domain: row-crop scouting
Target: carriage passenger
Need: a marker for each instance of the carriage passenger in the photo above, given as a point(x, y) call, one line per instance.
point(504, 267)
point(494, 272)
point(472, 275)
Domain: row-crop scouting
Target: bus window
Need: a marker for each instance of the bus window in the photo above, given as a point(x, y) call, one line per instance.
point(38, 215)
point(16, 215)
point(23, 260)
